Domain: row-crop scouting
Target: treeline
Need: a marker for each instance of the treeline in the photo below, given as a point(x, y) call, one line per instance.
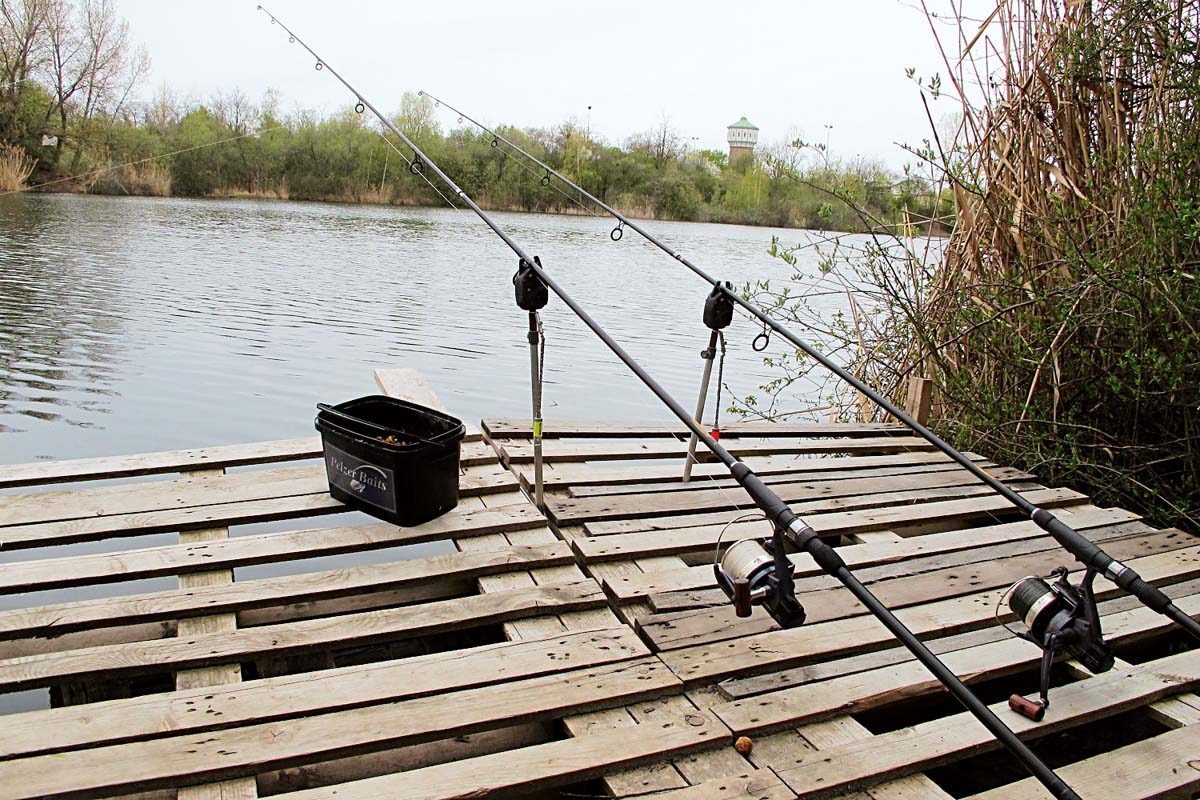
point(71, 125)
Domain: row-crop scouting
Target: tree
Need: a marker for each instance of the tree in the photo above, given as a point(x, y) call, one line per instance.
point(234, 109)
point(22, 52)
point(198, 171)
point(417, 119)
point(662, 143)
point(91, 65)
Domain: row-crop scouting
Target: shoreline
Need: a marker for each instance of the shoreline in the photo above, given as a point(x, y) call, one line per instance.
point(274, 196)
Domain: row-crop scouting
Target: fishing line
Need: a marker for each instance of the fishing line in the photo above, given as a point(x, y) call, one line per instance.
point(799, 533)
point(1072, 541)
point(617, 232)
point(543, 179)
point(409, 162)
point(139, 161)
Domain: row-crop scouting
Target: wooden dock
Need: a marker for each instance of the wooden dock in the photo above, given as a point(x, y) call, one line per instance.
point(585, 652)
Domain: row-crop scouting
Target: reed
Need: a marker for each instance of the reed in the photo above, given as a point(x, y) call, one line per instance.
point(15, 167)
point(150, 179)
point(1059, 320)
point(1061, 323)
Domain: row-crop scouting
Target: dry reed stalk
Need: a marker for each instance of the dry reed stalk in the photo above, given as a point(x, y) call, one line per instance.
point(15, 168)
point(1058, 321)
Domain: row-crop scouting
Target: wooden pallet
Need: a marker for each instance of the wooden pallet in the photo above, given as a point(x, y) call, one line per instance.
point(932, 544)
point(320, 674)
point(589, 655)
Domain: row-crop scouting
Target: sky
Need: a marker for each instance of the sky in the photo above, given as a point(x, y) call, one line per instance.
point(825, 71)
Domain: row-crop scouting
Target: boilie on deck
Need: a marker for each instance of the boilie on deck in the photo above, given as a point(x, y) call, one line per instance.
point(585, 652)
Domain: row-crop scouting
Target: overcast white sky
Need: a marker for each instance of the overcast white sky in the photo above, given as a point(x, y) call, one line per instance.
point(791, 67)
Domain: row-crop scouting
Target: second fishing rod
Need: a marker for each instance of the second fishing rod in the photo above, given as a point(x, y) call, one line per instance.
point(532, 283)
point(1085, 551)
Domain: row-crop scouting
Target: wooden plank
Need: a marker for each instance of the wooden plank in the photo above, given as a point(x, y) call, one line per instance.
point(50, 534)
point(218, 623)
point(857, 502)
point(194, 711)
point(838, 471)
point(683, 540)
point(157, 463)
point(561, 450)
point(1164, 766)
point(920, 399)
point(225, 456)
point(267, 592)
point(759, 784)
point(843, 730)
point(382, 624)
point(743, 687)
point(533, 768)
point(224, 515)
point(904, 681)
point(561, 429)
point(891, 569)
point(926, 745)
point(409, 384)
point(217, 674)
point(242, 751)
point(628, 506)
point(652, 777)
point(575, 475)
point(194, 490)
point(205, 555)
point(905, 525)
point(826, 640)
point(699, 626)
point(696, 767)
point(631, 587)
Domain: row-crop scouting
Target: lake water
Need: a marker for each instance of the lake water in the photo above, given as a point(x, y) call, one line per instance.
point(132, 324)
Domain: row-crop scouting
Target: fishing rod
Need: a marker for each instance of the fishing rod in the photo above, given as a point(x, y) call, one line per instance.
point(532, 281)
point(1085, 551)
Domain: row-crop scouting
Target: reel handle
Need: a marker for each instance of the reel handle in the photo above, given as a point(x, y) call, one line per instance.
point(1030, 709)
point(741, 597)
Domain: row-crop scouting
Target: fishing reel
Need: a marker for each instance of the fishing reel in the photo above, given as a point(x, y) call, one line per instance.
point(1059, 617)
point(754, 572)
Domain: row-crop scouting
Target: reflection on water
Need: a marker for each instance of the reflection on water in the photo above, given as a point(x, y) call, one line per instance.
point(131, 324)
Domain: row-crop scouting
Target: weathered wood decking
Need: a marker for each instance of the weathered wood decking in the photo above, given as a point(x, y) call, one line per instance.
point(586, 655)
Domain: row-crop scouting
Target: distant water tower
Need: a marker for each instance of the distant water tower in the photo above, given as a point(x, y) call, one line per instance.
point(743, 136)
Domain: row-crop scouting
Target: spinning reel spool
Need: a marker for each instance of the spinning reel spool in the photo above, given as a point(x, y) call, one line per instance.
point(754, 572)
point(1059, 617)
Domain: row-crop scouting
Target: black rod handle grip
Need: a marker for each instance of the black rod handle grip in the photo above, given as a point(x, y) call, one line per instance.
point(1087, 552)
point(775, 510)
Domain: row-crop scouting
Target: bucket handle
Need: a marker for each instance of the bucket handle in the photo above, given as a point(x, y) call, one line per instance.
point(328, 409)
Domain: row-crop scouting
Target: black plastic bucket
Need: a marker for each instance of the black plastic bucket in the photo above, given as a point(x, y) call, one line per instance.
point(406, 481)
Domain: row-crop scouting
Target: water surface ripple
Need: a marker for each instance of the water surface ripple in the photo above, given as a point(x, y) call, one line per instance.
point(131, 324)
